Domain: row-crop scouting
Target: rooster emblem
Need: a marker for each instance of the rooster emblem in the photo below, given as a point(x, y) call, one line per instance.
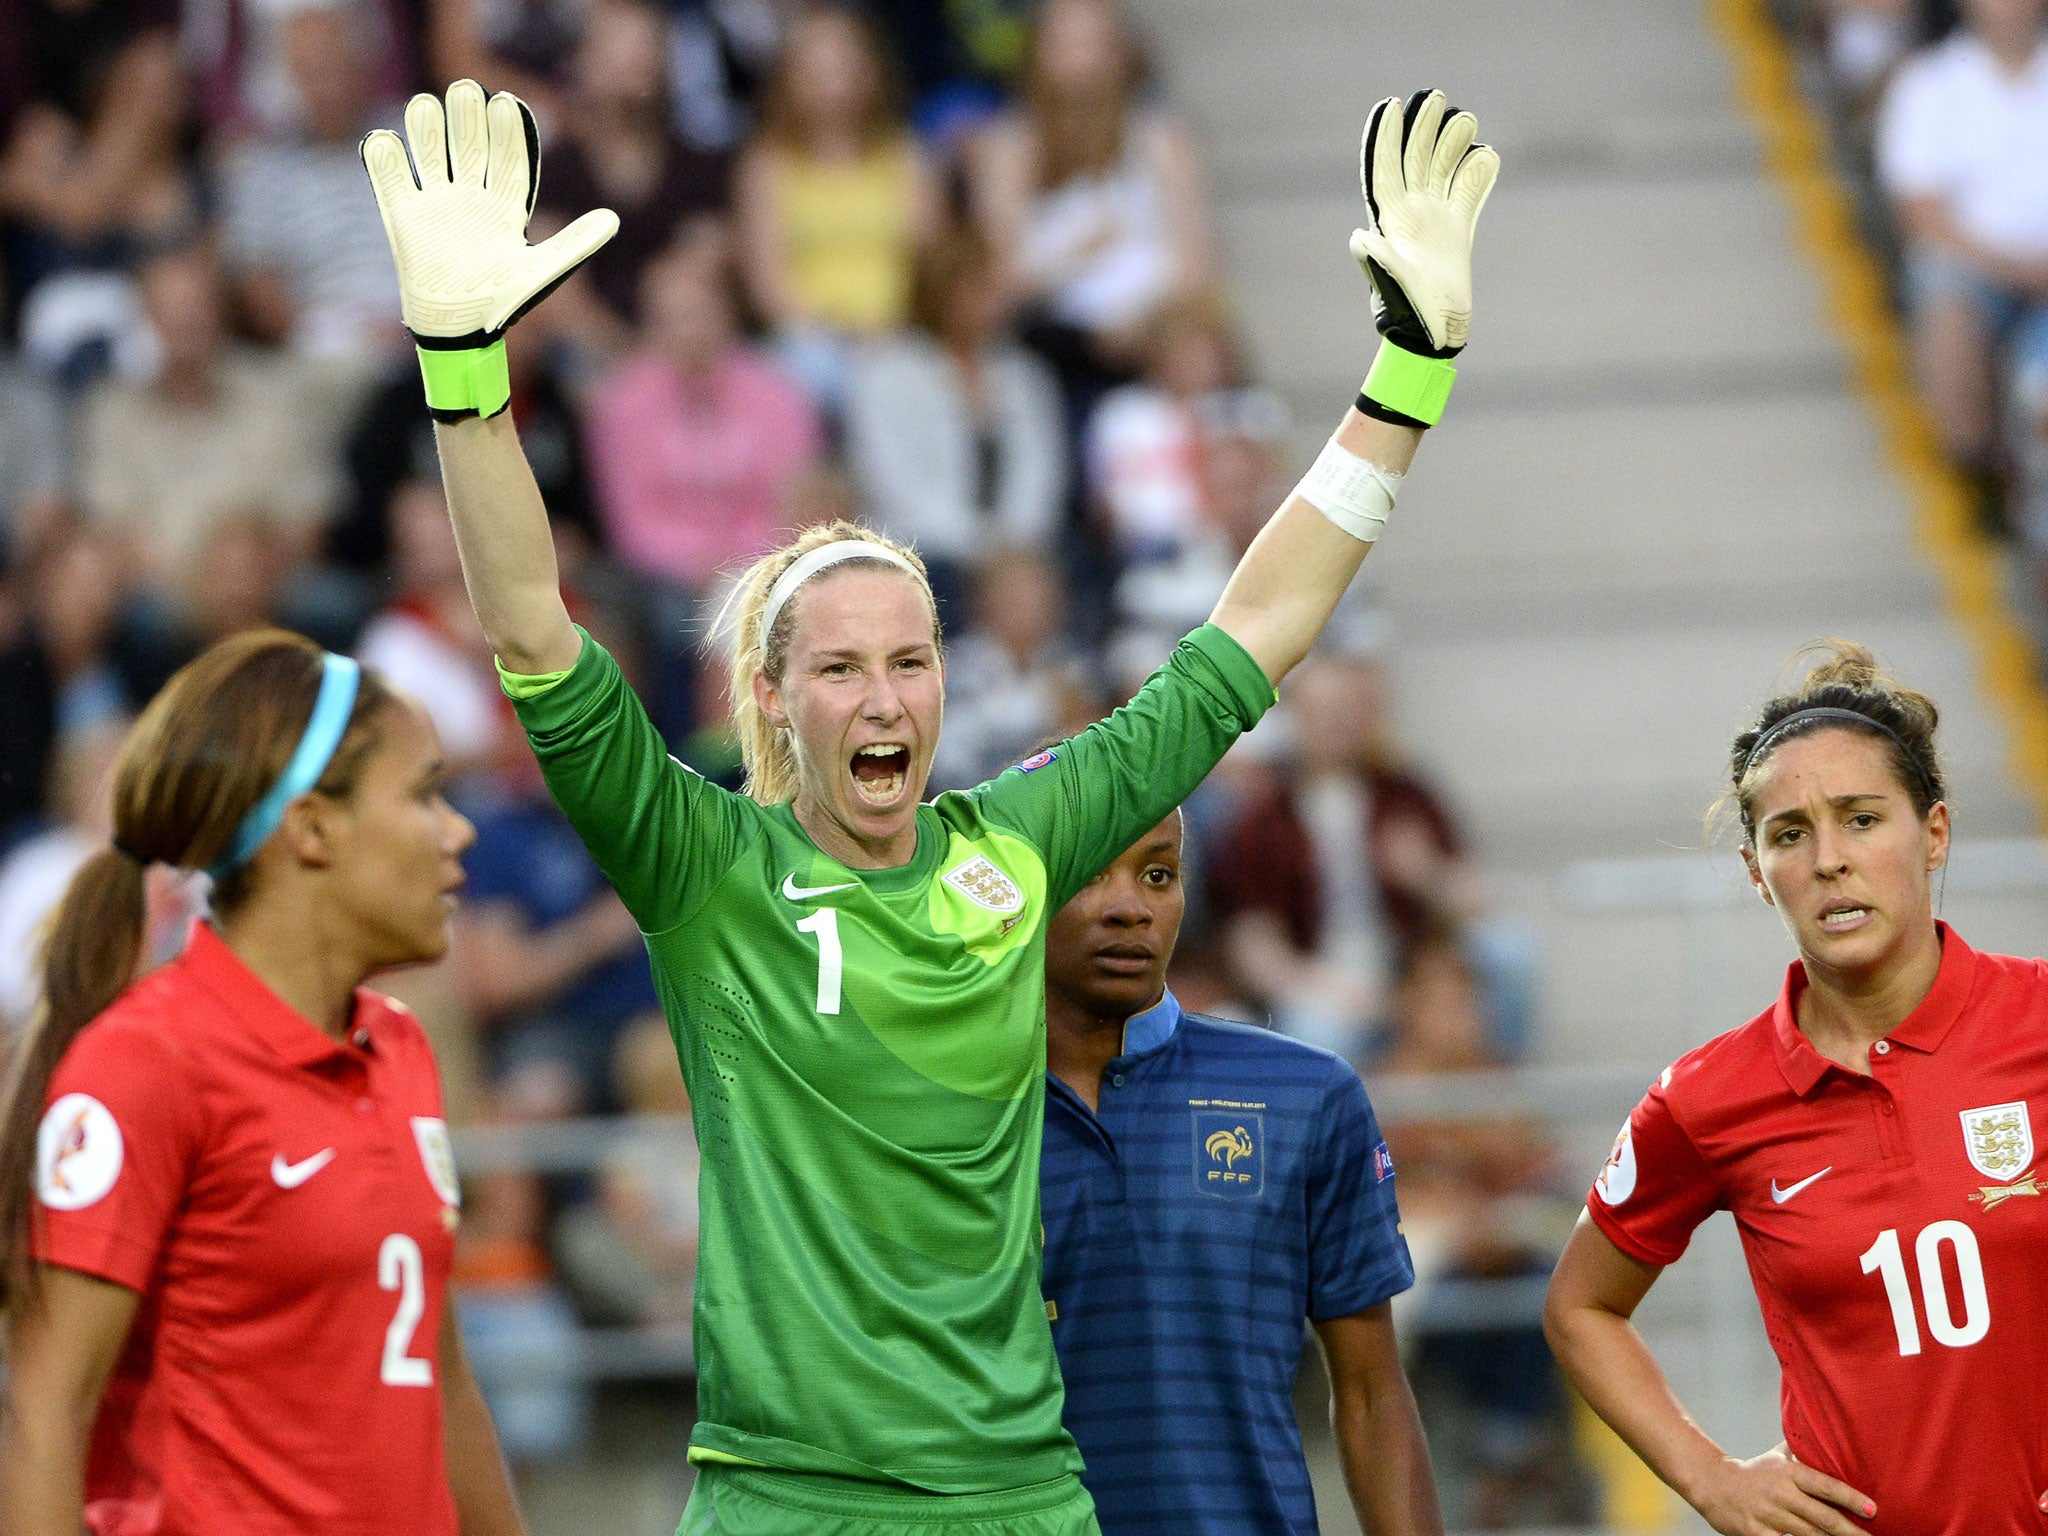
point(1228, 1146)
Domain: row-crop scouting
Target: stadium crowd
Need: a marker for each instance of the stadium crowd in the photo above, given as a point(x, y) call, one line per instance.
point(945, 268)
point(1939, 109)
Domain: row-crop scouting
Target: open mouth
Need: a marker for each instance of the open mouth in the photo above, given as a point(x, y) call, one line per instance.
point(1844, 919)
point(880, 772)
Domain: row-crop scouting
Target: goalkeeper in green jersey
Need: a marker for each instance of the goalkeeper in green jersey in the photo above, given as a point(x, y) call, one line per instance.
point(854, 978)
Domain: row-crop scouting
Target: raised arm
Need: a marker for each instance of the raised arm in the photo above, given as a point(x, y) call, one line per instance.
point(1425, 181)
point(455, 209)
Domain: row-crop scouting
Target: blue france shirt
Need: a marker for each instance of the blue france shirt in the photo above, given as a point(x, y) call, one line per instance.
point(1233, 1184)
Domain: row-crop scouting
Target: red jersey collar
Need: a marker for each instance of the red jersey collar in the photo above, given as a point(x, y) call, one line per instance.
point(1922, 1030)
point(296, 1039)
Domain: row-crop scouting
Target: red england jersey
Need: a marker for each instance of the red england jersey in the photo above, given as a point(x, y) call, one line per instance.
point(285, 1205)
point(1895, 1233)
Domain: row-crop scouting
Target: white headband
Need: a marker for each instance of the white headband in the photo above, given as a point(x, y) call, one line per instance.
point(807, 565)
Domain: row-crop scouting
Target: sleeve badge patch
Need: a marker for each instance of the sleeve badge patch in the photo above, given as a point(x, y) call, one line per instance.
point(1382, 1164)
point(1033, 764)
point(1617, 1180)
point(78, 1153)
point(437, 1154)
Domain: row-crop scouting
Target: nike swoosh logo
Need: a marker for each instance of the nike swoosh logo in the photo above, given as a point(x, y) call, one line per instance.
point(292, 1175)
point(797, 892)
point(1782, 1195)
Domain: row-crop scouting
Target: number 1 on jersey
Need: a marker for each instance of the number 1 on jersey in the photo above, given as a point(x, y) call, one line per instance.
point(831, 959)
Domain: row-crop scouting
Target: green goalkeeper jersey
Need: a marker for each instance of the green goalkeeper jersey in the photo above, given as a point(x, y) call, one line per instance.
point(865, 1053)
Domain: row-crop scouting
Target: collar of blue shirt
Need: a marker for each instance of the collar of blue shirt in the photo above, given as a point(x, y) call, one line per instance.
point(1151, 1029)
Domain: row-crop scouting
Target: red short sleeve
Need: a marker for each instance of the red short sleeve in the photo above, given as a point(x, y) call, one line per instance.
point(114, 1151)
point(1655, 1188)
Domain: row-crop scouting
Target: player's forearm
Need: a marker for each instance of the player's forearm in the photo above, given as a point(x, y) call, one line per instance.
point(1603, 1356)
point(1289, 582)
point(46, 1421)
point(508, 551)
point(1386, 1463)
point(62, 1345)
point(42, 1472)
point(482, 1489)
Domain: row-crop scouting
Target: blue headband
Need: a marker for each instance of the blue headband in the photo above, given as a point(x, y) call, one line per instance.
point(339, 679)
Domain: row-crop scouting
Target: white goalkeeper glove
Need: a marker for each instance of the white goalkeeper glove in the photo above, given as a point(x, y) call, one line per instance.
point(1425, 181)
point(455, 212)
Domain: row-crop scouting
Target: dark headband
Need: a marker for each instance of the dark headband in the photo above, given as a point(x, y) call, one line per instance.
point(1855, 717)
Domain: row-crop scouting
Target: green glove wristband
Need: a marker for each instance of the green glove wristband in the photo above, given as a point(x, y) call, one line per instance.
point(469, 381)
point(1417, 387)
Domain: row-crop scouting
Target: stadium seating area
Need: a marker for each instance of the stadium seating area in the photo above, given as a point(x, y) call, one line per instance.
point(947, 269)
point(1938, 108)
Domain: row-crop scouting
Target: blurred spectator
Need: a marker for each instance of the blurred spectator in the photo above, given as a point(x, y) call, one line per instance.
point(619, 149)
point(73, 593)
point(302, 237)
point(91, 101)
point(630, 1254)
point(246, 84)
point(1862, 42)
point(695, 442)
point(34, 877)
point(1145, 440)
point(426, 641)
point(517, 1324)
point(1959, 153)
point(954, 433)
point(35, 472)
point(237, 578)
point(28, 720)
point(1096, 196)
point(1241, 435)
point(695, 438)
point(219, 430)
point(834, 200)
point(521, 46)
point(960, 59)
point(545, 956)
point(1014, 678)
point(391, 440)
point(1478, 1203)
point(1341, 868)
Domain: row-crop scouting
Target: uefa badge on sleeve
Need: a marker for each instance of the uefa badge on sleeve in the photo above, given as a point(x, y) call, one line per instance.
point(1617, 1179)
point(78, 1153)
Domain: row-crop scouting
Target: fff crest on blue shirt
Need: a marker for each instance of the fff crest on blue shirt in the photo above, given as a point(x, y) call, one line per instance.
point(1230, 1152)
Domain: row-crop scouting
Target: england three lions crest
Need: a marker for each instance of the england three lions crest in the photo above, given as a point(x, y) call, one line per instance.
point(2000, 1140)
point(986, 886)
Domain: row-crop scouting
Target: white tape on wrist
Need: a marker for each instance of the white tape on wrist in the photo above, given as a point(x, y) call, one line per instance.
point(1355, 495)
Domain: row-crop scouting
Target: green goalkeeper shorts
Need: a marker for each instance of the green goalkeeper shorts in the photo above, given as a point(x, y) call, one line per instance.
point(739, 1501)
